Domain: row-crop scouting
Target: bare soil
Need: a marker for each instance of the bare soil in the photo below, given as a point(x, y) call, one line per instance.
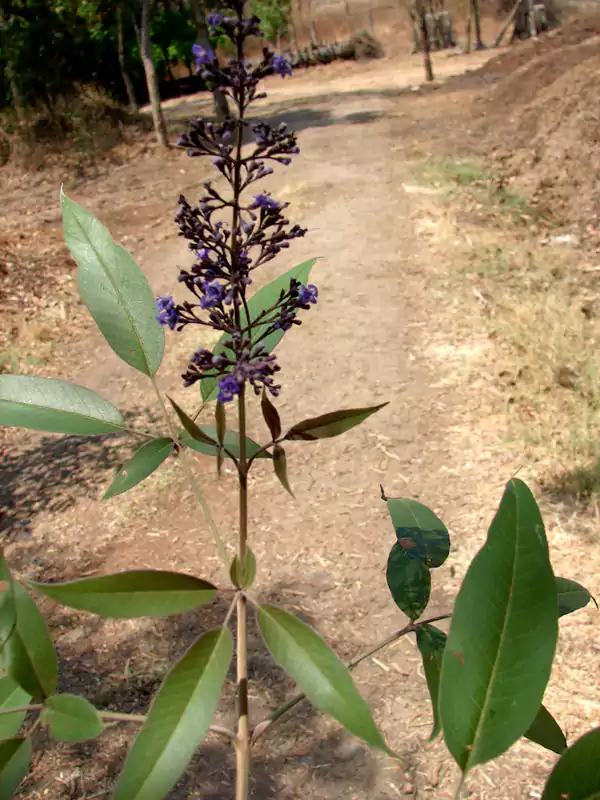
point(385, 329)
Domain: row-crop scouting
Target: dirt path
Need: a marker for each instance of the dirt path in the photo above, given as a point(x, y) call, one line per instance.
point(372, 338)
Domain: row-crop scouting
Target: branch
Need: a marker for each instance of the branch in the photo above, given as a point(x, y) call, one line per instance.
point(262, 727)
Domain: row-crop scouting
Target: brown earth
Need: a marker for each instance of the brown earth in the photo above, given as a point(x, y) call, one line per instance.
point(384, 329)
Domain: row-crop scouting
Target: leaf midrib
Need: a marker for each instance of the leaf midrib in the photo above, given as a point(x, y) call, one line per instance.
point(117, 290)
point(479, 727)
point(62, 411)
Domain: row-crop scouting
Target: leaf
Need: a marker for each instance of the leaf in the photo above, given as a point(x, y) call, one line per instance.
point(144, 462)
point(502, 636)
point(29, 656)
point(270, 416)
point(328, 425)
point(46, 404)
point(220, 424)
point(71, 718)
point(571, 596)
point(243, 579)
point(319, 672)
point(545, 731)
point(192, 429)
point(409, 582)
point(114, 289)
point(8, 612)
point(264, 299)
point(576, 775)
point(280, 466)
point(11, 696)
point(15, 755)
point(231, 442)
point(178, 720)
point(420, 533)
point(127, 595)
point(431, 642)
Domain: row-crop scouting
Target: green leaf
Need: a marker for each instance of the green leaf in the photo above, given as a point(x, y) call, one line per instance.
point(328, 425)
point(409, 581)
point(319, 672)
point(178, 720)
point(571, 596)
point(28, 655)
point(243, 578)
point(46, 404)
point(15, 755)
point(71, 718)
point(576, 776)
point(420, 533)
point(143, 463)
point(127, 595)
point(545, 731)
point(270, 416)
point(502, 636)
point(280, 466)
point(191, 428)
point(114, 289)
point(264, 299)
point(11, 696)
point(231, 441)
point(431, 642)
point(8, 612)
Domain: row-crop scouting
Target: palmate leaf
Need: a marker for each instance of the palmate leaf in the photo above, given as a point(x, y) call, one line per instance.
point(545, 731)
point(332, 424)
point(178, 720)
point(15, 755)
point(47, 404)
point(420, 533)
point(71, 718)
point(280, 467)
point(576, 776)
point(264, 299)
point(143, 463)
point(431, 642)
point(409, 582)
point(114, 289)
point(11, 696)
point(318, 671)
point(231, 441)
point(28, 655)
point(502, 638)
point(571, 596)
point(8, 611)
point(128, 595)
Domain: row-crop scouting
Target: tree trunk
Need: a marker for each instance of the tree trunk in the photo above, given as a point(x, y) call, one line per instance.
point(219, 98)
point(531, 20)
point(479, 45)
point(10, 72)
point(469, 25)
point(371, 20)
point(133, 103)
point(160, 126)
point(509, 19)
point(348, 16)
point(425, 39)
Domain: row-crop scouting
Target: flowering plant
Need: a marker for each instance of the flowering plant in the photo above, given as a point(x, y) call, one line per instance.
point(486, 678)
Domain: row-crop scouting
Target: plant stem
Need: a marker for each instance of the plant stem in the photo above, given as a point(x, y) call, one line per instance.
point(189, 473)
point(262, 727)
point(16, 709)
point(243, 736)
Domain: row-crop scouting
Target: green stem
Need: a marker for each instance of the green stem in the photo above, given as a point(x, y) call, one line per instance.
point(17, 709)
point(189, 473)
point(262, 727)
point(243, 733)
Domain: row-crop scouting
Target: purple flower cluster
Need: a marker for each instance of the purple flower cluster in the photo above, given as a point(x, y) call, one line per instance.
point(231, 236)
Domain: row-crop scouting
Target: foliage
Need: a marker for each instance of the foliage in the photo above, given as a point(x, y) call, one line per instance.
point(486, 677)
point(274, 16)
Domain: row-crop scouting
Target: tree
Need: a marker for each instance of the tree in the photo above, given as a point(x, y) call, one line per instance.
point(219, 98)
point(133, 104)
point(160, 126)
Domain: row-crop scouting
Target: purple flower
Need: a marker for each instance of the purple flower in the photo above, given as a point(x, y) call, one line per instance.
point(281, 66)
point(168, 311)
point(265, 201)
point(203, 56)
point(212, 295)
point(214, 21)
point(228, 389)
point(308, 294)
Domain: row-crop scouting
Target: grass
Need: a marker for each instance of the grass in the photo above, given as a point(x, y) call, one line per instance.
point(537, 306)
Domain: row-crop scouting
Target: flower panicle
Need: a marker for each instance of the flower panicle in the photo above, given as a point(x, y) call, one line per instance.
point(231, 236)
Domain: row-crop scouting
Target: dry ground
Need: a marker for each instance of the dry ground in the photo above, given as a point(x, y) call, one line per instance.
point(398, 320)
